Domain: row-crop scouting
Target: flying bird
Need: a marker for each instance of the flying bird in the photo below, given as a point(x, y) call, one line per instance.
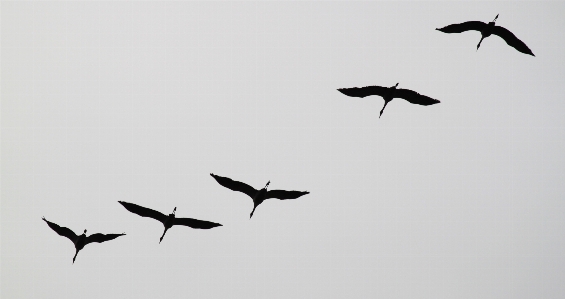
point(388, 93)
point(168, 221)
point(258, 196)
point(82, 240)
point(486, 30)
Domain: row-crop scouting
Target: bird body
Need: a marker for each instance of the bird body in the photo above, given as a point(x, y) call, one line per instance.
point(487, 30)
point(388, 94)
point(82, 240)
point(168, 221)
point(258, 196)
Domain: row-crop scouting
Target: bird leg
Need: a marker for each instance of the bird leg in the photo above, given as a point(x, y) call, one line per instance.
point(163, 235)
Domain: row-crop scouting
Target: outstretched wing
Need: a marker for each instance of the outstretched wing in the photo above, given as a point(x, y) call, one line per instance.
point(414, 97)
point(512, 40)
point(99, 238)
point(361, 92)
point(195, 223)
point(283, 194)
point(143, 212)
point(462, 27)
point(235, 185)
point(62, 231)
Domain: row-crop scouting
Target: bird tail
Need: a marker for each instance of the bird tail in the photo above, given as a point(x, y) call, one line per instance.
point(482, 37)
point(74, 258)
point(382, 110)
point(252, 212)
point(163, 236)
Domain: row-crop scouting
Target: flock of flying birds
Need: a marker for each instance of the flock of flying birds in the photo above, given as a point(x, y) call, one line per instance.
point(258, 196)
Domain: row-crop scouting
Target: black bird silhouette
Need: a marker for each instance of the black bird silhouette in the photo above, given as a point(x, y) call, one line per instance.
point(388, 93)
point(258, 196)
point(82, 240)
point(486, 30)
point(168, 221)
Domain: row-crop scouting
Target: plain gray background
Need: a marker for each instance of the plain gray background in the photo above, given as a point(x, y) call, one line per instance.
point(140, 101)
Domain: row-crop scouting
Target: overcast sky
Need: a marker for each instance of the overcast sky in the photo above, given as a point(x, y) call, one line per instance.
point(140, 101)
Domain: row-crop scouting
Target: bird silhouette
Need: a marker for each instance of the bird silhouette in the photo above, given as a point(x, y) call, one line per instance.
point(168, 221)
point(82, 240)
point(388, 93)
point(486, 30)
point(258, 196)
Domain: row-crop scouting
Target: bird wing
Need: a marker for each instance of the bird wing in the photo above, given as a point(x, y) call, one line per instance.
point(235, 185)
point(195, 223)
point(283, 194)
point(461, 27)
point(512, 40)
point(143, 212)
point(414, 97)
point(99, 238)
point(361, 92)
point(62, 231)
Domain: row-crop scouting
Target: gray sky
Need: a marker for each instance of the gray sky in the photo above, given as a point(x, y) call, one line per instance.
point(140, 101)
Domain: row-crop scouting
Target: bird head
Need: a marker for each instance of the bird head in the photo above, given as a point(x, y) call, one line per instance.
point(84, 232)
point(174, 210)
point(395, 85)
point(495, 18)
point(267, 185)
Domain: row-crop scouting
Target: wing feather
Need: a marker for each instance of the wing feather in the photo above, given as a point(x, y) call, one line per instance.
point(143, 211)
point(512, 40)
point(235, 185)
point(62, 231)
point(283, 194)
point(99, 238)
point(361, 92)
point(414, 97)
point(195, 223)
point(462, 27)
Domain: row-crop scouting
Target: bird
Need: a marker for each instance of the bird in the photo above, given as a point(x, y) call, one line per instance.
point(258, 196)
point(486, 30)
point(168, 221)
point(82, 240)
point(388, 93)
